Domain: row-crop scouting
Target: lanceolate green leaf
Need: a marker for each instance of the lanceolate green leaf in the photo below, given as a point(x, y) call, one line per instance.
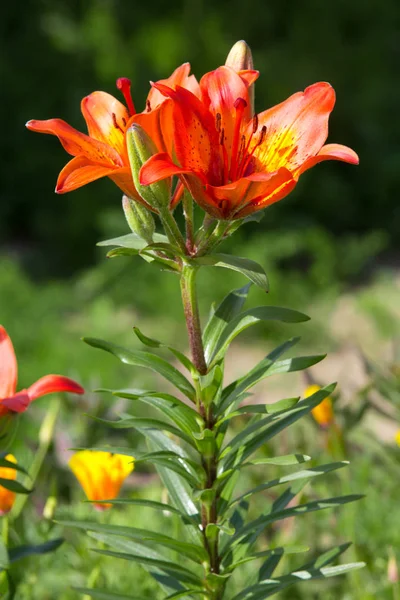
point(177, 571)
point(255, 441)
point(299, 475)
point(280, 550)
point(184, 360)
point(231, 306)
point(185, 417)
point(159, 506)
point(104, 595)
point(301, 509)
point(249, 268)
point(148, 361)
point(191, 551)
point(14, 486)
point(131, 240)
point(23, 551)
point(166, 581)
point(251, 317)
point(10, 465)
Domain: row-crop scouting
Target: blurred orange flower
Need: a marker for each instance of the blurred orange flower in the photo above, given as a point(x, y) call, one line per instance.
point(323, 413)
point(233, 162)
point(7, 497)
point(13, 401)
point(101, 474)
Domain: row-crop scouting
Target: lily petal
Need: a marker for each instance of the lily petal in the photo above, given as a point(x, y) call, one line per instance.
point(159, 167)
point(53, 383)
point(330, 152)
point(249, 76)
point(77, 143)
point(159, 124)
point(221, 89)
point(123, 179)
point(179, 77)
point(248, 194)
point(17, 403)
point(296, 129)
point(8, 365)
point(106, 119)
point(79, 171)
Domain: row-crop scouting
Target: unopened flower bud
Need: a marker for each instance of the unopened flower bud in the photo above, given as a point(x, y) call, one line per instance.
point(240, 57)
point(140, 148)
point(139, 219)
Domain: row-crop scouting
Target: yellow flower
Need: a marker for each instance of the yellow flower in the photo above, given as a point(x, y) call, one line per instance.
point(101, 474)
point(397, 437)
point(323, 413)
point(7, 497)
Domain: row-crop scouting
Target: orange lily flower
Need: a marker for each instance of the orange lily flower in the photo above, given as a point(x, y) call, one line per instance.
point(13, 401)
point(101, 474)
point(323, 413)
point(7, 497)
point(233, 162)
point(103, 152)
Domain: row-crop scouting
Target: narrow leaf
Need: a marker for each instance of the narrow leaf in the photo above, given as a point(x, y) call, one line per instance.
point(249, 268)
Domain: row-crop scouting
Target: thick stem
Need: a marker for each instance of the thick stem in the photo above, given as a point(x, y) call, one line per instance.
point(191, 309)
point(209, 512)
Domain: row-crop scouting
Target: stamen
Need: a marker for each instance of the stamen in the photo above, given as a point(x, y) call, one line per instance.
point(218, 120)
point(224, 155)
point(124, 85)
point(263, 134)
point(240, 105)
point(255, 123)
point(116, 125)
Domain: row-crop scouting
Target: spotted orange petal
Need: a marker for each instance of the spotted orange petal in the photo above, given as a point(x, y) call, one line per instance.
point(179, 77)
point(106, 119)
point(296, 129)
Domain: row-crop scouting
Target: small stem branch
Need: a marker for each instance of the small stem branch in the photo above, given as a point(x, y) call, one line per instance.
point(214, 239)
point(187, 203)
point(172, 230)
point(191, 309)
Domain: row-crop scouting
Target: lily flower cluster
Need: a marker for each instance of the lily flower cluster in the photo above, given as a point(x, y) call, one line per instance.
point(231, 160)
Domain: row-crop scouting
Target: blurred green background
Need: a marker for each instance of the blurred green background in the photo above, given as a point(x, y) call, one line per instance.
point(331, 248)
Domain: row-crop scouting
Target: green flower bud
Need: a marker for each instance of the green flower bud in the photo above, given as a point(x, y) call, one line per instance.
point(140, 148)
point(139, 219)
point(240, 57)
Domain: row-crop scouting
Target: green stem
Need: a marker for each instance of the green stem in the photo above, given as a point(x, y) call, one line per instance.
point(191, 309)
point(209, 512)
point(172, 230)
point(45, 438)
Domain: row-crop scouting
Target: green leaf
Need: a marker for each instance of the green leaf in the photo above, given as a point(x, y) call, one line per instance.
point(230, 306)
point(249, 268)
point(177, 571)
point(10, 465)
point(4, 559)
point(280, 551)
point(251, 317)
point(132, 240)
point(148, 361)
point(185, 417)
point(287, 460)
point(299, 475)
point(160, 506)
point(141, 423)
point(168, 583)
point(14, 486)
point(245, 449)
point(190, 551)
point(104, 595)
point(266, 368)
point(23, 551)
point(293, 511)
point(185, 593)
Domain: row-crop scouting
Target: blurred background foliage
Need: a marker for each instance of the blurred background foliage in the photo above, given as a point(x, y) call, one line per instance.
point(331, 249)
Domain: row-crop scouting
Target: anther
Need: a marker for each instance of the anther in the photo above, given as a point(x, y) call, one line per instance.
point(116, 125)
point(218, 120)
point(255, 123)
point(124, 85)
